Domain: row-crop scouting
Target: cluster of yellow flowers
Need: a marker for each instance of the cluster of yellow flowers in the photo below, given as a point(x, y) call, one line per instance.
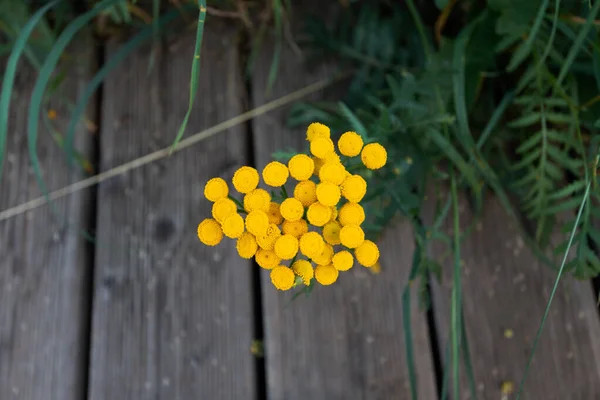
point(307, 227)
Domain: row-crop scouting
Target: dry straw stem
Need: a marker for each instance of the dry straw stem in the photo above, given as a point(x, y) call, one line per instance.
point(159, 154)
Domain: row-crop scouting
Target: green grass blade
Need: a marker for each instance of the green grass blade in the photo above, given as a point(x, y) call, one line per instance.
point(550, 43)
point(455, 309)
point(450, 151)
point(524, 50)
point(495, 118)
point(556, 282)
point(576, 47)
point(45, 74)
point(406, 323)
point(467, 357)
point(195, 72)
point(10, 72)
point(278, 12)
point(124, 51)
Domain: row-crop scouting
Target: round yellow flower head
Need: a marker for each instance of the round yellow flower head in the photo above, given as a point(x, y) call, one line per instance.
point(350, 144)
point(291, 209)
point(301, 167)
point(215, 189)
point(326, 274)
point(257, 222)
point(246, 245)
point(267, 241)
point(274, 214)
point(324, 258)
point(233, 226)
point(321, 147)
point(275, 174)
point(311, 244)
point(316, 130)
point(282, 277)
point(306, 192)
point(334, 214)
point(286, 247)
point(373, 156)
point(304, 270)
point(352, 236)
point(245, 179)
point(295, 228)
point(209, 232)
point(351, 214)
point(333, 172)
point(343, 260)
point(318, 214)
point(354, 188)
point(332, 158)
point(331, 233)
point(318, 164)
point(328, 194)
point(223, 208)
point(266, 259)
point(367, 254)
point(258, 199)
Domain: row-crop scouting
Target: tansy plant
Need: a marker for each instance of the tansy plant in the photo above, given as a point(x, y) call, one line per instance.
point(318, 229)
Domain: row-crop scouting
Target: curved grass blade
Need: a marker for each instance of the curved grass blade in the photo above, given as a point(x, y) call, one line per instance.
point(195, 72)
point(277, 11)
point(46, 71)
point(456, 307)
point(556, 282)
point(524, 50)
point(110, 65)
point(9, 75)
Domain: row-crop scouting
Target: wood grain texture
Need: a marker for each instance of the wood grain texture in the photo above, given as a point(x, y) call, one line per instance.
point(505, 291)
point(45, 262)
point(172, 318)
point(345, 341)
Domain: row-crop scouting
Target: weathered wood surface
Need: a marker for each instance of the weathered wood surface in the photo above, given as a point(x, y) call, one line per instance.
point(345, 341)
point(45, 262)
point(172, 318)
point(505, 292)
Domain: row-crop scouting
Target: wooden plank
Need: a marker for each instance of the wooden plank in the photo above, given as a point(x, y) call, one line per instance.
point(505, 292)
point(45, 262)
point(344, 341)
point(173, 318)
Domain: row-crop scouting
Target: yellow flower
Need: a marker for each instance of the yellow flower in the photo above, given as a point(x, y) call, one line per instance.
point(291, 209)
point(266, 259)
point(332, 172)
point(321, 147)
point(318, 164)
point(311, 244)
point(274, 214)
point(304, 270)
point(333, 158)
point(328, 194)
point(275, 174)
point(306, 192)
point(245, 179)
point(295, 228)
point(209, 232)
point(352, 236)
point(286, 247)
point(257, 222)
point(373, 156)
point(258, 199)
point(246, 245)
point(215, 189)
point(351, 214)
point(324, 258)
point(334, 214)
point(331, 233)
point(326, 274)
point(316, 130)
point(301, 167)
point(343, 260)
point(267, 241)
point(233, 226)
point(223, 208)
point(354, 188)
point(367, 254)
point(282, 277)
point(350, 144)
point(318, 214)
